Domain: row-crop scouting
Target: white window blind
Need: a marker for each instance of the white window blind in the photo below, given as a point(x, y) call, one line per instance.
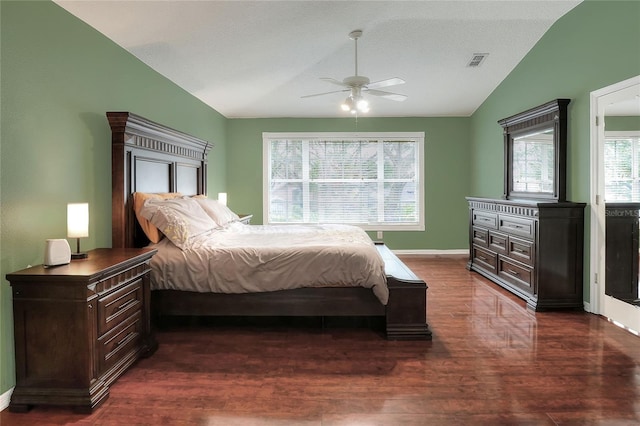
point(371, 180)
point(622, 167)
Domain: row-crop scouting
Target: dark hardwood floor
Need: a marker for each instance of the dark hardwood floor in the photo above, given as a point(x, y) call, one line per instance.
point(491, 362)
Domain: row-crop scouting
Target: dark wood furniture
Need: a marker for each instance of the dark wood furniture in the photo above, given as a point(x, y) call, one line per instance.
point(78, 327)
point(622, 251)
point(149, 157)
point(544, 126)
point(533, 249)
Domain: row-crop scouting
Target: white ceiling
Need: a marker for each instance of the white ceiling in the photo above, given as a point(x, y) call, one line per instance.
point(257, 58)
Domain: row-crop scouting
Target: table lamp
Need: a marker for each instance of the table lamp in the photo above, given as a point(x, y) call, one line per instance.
point(78, 225)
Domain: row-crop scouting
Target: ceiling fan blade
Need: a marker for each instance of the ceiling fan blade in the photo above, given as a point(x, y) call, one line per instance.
point(324, 93)
point(333, 81)
point(387, 95)
point(385, 83)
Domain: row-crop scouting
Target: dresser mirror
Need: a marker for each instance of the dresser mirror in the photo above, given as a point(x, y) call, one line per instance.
point(535, 150)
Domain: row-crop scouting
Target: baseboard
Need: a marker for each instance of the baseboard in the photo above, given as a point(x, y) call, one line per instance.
point(5, 398)
point(432, 252)
point(587, 307)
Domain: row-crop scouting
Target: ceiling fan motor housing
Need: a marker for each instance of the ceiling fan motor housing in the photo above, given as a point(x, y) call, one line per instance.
point(356, 81)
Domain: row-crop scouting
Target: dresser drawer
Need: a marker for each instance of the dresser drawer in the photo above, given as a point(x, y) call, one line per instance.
point(521, 250)
point(498, 242)
point(117, 306)
point(517, 226)
point(485, 219)
point(119, 342)
point(484, 258)
point(480, 236)
point(515, 274)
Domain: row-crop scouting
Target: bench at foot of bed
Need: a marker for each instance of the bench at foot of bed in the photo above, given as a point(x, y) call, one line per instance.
point(406, 312)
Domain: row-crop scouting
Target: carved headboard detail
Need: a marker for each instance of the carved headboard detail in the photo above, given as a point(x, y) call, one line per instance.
point(150, 157)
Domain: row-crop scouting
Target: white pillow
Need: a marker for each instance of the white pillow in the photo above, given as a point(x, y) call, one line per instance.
point(178, 219)
point(217, 211)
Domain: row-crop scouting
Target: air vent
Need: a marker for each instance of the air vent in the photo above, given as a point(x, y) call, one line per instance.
point(477, 59)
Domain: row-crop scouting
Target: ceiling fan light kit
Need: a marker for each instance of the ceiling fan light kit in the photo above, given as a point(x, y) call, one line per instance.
point(357, 84)
point(355, 103)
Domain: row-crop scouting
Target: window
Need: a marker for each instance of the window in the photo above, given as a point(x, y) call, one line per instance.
point(622, 166)
point(371, 180)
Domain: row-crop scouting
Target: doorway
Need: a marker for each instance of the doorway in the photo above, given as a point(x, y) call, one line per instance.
point(622, 98)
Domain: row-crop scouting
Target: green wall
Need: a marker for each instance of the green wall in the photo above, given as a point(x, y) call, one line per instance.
point(574, 58)
point(59, 77)
point(446, 160)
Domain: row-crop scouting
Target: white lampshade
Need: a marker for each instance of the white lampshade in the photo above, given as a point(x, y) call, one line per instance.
point(222, 197)
point(77, 220)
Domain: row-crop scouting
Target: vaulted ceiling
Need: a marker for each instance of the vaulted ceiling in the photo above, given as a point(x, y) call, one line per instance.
point(258, 58)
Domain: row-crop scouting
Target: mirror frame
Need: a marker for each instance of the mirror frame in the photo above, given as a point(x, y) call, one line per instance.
point(552, 114)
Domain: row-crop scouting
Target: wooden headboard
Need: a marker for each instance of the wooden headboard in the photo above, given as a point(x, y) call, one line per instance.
point(150, 157)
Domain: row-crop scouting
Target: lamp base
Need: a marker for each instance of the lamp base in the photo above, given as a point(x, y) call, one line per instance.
point(75, 256)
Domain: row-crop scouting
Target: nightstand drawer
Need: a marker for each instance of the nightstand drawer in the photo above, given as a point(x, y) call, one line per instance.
point(119, 305)
point(119, 342)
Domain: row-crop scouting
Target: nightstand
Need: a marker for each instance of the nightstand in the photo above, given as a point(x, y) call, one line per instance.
point(245, 218)
point(78, 327)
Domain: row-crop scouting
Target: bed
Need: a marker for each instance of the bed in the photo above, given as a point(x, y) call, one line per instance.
point(151, 158)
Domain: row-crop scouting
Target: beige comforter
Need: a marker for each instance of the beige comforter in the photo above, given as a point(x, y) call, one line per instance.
point(251, 258)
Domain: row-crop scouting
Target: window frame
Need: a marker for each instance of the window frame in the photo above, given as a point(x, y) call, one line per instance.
point(419, 138)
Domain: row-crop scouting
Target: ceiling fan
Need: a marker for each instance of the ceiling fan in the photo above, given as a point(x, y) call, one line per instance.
point(356, 85)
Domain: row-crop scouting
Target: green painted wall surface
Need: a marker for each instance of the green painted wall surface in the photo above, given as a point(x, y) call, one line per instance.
point(574, 58)
point(446, 170)
point(59, 77)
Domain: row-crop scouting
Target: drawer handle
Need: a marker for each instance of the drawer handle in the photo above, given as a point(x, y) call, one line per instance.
point(512, 272)
point(126, 304)
point(519, 250)
point(515, 226)
point(482, 258)
point(124, 339)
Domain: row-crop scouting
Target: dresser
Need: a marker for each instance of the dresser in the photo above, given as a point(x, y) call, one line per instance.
point(78, 327)
point(533, 249)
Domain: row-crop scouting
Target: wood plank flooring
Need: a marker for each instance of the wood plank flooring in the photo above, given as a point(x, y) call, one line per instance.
point(491, 362)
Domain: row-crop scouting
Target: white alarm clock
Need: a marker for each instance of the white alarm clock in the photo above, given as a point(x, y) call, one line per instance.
point(57, 252)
